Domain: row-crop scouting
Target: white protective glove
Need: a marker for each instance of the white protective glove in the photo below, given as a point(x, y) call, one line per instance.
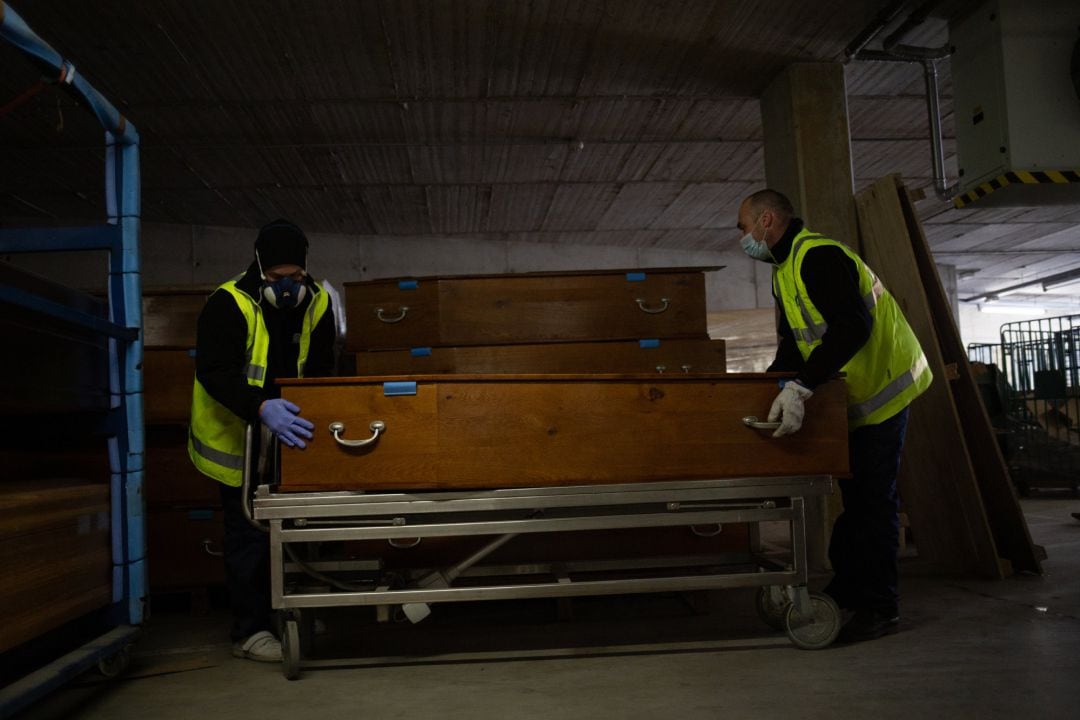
point(788, 408)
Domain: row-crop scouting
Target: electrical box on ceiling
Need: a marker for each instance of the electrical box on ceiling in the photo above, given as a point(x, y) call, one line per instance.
point(1016, 103)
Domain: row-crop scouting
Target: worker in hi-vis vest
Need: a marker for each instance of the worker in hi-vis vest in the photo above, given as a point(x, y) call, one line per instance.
point(835, 316)
point(273, 321)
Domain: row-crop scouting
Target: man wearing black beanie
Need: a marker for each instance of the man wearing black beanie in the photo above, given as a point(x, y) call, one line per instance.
point(272, 322)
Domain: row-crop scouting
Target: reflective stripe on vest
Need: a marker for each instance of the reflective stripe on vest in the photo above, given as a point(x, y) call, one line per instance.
point(233, 462)
point(890, 391)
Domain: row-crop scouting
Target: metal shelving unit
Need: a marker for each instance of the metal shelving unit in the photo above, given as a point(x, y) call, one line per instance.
point(123, 423)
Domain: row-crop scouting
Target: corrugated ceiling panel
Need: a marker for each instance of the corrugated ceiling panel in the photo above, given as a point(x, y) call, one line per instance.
point(196, 123)
point(638, 205)
point(358, 122)
point(44, 168)
point(640, 47)
point(579, 206)
point(695, 206)
point(695, 161)
point(722, 119)
point(542, 47)
point(597, 162)
point(519, 208)
point(487, 163)
point(237, 167)
point(637, 118)
point(747, 163)
point(873, 159)
point(439, 49)
point(882, 79)
point(686, 239)
point(458, 208)
point(348, 165)
point(397, 209)
point(640, 160)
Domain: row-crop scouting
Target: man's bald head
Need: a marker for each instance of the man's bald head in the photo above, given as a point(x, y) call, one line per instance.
point(770, 200)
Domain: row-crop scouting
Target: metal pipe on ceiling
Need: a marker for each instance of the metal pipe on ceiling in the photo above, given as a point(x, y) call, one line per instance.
point(895, 51)
point(885, 16)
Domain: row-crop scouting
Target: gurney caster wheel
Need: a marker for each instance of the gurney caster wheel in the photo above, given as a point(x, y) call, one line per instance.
point(772, 604)
point(290, 649)
point(116, 664)
point(817, 628)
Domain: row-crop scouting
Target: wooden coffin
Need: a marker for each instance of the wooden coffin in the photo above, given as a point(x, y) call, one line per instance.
point(653, 355)
point(168, 377)
point(58, 367)
point(183, 547)
point(492, 431)
point(56, 552)
point(171, 315)
point(171, 480)
point(525, 308)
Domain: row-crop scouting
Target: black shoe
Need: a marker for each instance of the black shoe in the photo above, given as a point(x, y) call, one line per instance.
point(868, 625)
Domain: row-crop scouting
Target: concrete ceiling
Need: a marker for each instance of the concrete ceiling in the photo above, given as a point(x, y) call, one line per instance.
point(629, 123)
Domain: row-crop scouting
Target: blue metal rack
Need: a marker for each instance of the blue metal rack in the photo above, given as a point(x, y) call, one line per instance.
point(124, 423)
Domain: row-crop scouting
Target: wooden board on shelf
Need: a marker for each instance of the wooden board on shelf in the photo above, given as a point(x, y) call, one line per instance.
point(56, 551)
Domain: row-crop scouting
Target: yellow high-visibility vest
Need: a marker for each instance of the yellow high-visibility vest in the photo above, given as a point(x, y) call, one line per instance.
point(890, 369)
point(216, 435)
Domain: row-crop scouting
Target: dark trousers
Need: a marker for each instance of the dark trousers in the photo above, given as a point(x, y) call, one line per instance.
point(866, 537)
point(247, 568)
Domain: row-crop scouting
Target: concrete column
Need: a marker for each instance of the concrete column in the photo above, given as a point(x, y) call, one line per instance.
point(808, 147)
point(808, 158)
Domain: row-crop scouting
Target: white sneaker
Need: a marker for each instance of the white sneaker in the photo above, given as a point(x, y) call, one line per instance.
point(262, 646)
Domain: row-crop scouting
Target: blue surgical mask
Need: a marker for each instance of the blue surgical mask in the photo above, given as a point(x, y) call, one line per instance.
point(757, 249)
point(285, 293)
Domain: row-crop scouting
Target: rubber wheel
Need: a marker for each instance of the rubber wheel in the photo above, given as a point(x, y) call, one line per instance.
point(116, 664)
point(816, 629)
point(772, 605)
point(290, 650)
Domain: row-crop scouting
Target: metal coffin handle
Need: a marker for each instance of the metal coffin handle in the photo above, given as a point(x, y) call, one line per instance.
point(752, 421)
point(376, 427)
point(400, 316)
point(652, 310)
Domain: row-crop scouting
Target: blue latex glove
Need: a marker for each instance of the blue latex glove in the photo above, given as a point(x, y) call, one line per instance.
point(788, 408)
point(282, 417)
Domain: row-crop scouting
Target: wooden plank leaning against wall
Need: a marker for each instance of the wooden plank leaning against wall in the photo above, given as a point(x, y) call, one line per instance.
point(953, 482)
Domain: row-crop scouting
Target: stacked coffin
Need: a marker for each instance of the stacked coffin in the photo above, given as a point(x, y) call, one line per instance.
point(184, 527)
point(544, 323)
point(55, 544)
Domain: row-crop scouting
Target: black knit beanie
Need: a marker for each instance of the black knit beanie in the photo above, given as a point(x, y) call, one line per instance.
point(281, 243)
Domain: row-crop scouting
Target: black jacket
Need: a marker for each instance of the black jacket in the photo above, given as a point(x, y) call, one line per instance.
point(832, 282)
point(222, 339)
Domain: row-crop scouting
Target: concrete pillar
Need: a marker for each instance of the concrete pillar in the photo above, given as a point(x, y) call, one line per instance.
point(808, 158)
point(808, 147)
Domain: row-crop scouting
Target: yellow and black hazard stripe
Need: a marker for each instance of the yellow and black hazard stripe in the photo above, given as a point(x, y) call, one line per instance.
point(1020, 177)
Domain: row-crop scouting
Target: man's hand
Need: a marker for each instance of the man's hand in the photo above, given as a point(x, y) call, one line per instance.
point(282, 417)
point(788, 408)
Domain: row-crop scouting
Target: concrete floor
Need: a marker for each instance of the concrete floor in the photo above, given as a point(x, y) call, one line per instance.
point(967, 649)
